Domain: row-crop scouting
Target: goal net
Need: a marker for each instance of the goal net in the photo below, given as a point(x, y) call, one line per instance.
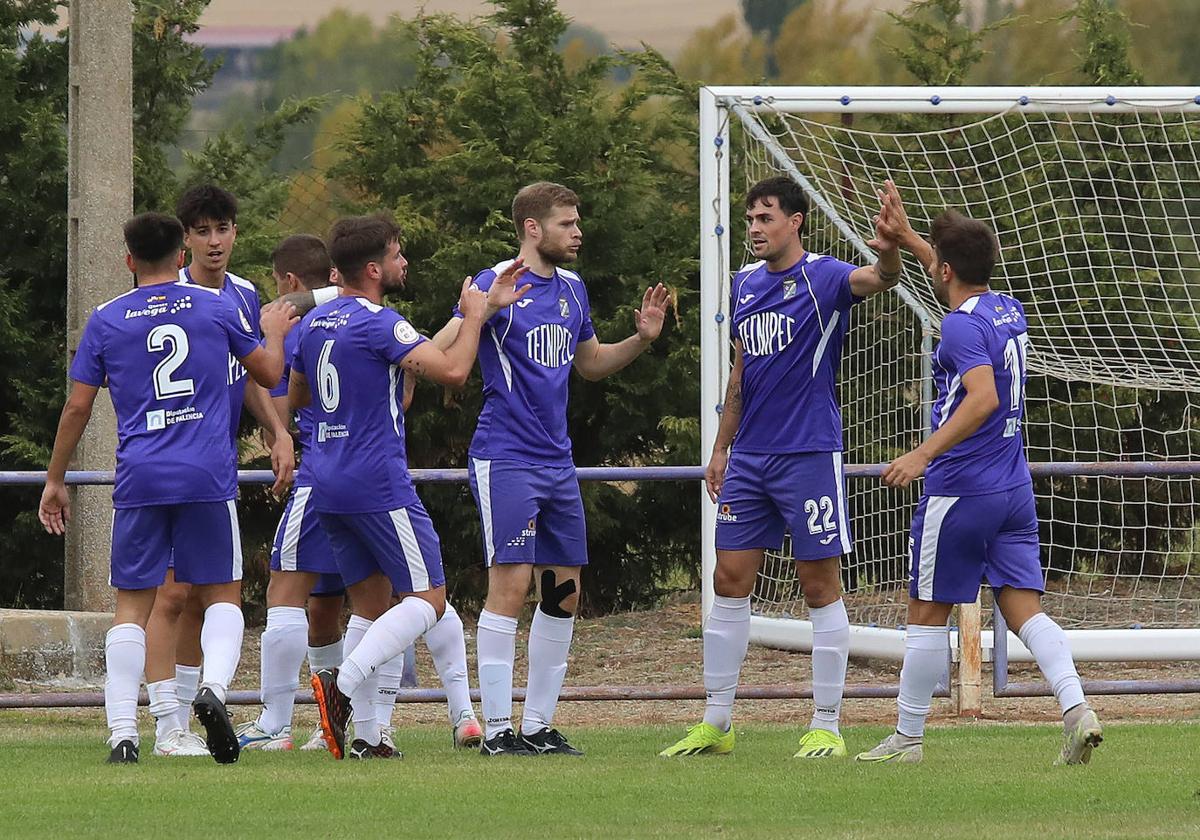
point(1095, 198)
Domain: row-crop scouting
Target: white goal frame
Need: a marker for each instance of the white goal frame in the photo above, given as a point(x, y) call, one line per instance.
point(723, 104)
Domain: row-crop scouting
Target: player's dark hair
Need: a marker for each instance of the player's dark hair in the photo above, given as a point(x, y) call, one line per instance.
point(358, 240)
point(967, 244)
point(154, 238)
point(305, 256)
point(206, 203)
point(536, 201)
point(787, 194)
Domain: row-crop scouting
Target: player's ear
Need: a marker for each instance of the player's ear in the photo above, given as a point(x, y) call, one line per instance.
point(181, 259)
point(129, 263)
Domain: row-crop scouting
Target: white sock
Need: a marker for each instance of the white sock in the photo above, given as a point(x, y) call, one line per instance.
point(164, 706)
point(1048, 644)
point(187, 683)
point(362, 699)
point(496, 640)
point(221, 643)
point(726, 637)
point(831, 649)
point(356, 628)
point(325, 656)
point(549, 644)
point(124, 662)
point(283, 645)
point(388, 678)
point(448, 645)
point(925, 655)
point(385, 639)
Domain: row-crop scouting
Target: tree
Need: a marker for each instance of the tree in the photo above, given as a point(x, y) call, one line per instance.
point(33, 264)
point(723, 54)
point(765, 17)
point(495, 107)
point(847, 54)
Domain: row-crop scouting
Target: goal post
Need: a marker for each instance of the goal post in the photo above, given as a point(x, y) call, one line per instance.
point(1095, 196)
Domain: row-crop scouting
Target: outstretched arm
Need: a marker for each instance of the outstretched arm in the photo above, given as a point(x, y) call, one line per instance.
point(442, 358)
point(595, 361)
point(897, 228)
point(54, 510)
point(885, 273)
point(265, 363)
point(306, 300)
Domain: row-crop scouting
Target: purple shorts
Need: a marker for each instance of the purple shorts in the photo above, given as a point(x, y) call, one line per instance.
point(763, 496)
point(201, 540)
point(400, 543)
point(958, 541)
point(529, 513)
point(329, 586)
point(300, 544)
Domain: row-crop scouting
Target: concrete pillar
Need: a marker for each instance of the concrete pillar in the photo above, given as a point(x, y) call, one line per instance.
point(99, 200)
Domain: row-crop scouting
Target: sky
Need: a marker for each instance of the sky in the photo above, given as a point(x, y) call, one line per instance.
point(664, 24)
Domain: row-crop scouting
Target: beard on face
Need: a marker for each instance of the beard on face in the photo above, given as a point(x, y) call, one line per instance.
point(394, 281)
point(555, 255)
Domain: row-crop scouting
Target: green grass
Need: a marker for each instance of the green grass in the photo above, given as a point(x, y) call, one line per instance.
point(978, 781)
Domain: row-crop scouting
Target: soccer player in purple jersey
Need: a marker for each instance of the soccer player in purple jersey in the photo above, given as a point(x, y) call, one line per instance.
point(302, 566)
point(354, 351)
point(521, 471)
point(977, 517)
point(790, 313)
point(162, 350)
point(173, 655)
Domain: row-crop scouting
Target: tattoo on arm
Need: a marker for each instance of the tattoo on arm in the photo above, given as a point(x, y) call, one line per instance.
point(303, 301)
point(733, 397)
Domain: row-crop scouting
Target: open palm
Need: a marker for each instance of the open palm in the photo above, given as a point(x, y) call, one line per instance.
point(649, 319)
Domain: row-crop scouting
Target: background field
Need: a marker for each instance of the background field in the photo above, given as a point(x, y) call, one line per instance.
point(978, 781)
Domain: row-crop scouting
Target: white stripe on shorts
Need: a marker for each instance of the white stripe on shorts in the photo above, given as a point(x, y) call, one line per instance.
point(291, 531)
point(417, 573)
point(236, 533)
point(843, 514)
point(935, 513)
point(483, 482)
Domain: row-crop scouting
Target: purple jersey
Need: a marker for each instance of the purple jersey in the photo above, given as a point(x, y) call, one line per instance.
point(988, 329)
point(304, 424)
point(244, 295)
point(525, 354)
point(791, 325)
point(163, 350)
point(350, 351)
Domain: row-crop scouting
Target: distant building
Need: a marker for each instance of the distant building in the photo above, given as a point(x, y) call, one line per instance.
point(240, 47)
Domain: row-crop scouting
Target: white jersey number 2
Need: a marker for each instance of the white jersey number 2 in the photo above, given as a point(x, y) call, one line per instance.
point(164, 386)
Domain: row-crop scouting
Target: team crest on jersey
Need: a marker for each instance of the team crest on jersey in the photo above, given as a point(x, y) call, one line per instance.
point(563, 309)
point(405, 333)
point(245, 321)
point(789, 287)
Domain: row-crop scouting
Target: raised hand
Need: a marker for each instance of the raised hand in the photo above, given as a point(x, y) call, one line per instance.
point(649, 319)
point(891, 225)
point(473, 303)
point(504, 292)
point(277, 317)
point(54, 510)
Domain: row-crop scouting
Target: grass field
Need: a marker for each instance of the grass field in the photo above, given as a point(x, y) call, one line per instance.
point(977, 781)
